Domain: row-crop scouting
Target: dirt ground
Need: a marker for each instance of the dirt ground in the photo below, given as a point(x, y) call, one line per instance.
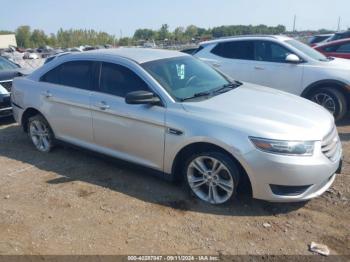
point(74, 202)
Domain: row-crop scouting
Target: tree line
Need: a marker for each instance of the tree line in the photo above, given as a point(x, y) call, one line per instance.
point(28, 38)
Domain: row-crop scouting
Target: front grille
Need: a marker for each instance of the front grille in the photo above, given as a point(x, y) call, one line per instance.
point(5, 102)
point(7, 85)
point(330, 144)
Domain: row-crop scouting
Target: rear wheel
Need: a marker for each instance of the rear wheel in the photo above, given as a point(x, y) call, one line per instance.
point(331, 99)
point(212, 177)
point(40, 133)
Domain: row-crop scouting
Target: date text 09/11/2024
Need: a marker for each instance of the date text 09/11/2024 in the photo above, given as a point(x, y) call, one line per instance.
point(173, 258)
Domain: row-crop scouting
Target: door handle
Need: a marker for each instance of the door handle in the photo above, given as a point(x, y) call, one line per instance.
point(259, 68)
point(47, 94)
point(216, 65)
point(102, 105)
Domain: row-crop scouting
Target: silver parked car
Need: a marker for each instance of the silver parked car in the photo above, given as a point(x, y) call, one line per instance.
point(170, 112)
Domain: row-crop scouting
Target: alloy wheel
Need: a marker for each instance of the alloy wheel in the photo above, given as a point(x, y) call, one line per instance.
point(39, 133)
point(210, 179)
point(326, 101)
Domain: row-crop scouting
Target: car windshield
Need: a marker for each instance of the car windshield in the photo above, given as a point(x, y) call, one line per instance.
point(307, 50)
point(186, 77)
point(6, 64)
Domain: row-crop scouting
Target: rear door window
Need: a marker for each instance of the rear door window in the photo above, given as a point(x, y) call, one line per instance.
point(235, 50)
point(330, 48)
point(76, 74)
point(344, 48)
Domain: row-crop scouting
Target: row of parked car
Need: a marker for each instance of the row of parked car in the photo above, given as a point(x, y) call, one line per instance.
point(45, 51)
point(286, 64)
point(188, 118)
point(325, 38)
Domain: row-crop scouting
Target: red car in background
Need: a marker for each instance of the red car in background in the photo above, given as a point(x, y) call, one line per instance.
point(339, 48)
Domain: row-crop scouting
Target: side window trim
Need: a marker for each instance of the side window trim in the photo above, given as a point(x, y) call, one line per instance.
point(149, 86)
point(271, 42)
point(59, 67)
point(343, 51)
point(221, 45)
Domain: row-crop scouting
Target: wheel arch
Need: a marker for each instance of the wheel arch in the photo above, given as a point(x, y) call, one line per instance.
point(28, 113)
point(189, 149)
point(339, 85)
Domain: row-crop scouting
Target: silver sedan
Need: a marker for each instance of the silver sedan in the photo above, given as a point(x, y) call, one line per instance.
point(172, 113)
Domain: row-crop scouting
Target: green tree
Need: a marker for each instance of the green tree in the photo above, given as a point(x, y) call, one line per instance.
point(23, 35)
point(38, 38)
point(191, 31)
point(125, 41)
point(6, 32)
point(144, 34)
point(163, 32)
point(179, 33)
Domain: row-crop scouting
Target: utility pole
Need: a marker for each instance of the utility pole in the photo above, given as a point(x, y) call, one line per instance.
point(339, 19)
point(295, 18)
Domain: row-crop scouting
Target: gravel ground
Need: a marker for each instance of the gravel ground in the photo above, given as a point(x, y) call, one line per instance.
point(74, 202)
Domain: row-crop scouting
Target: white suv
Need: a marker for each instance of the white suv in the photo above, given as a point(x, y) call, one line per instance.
point(283, 63)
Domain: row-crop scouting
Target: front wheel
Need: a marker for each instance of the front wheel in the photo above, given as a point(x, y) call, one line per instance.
point(212, 177)
point(331, 99)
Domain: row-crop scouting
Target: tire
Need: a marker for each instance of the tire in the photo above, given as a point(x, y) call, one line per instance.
point(214, 187)
point(331, 99)
point(41, 134)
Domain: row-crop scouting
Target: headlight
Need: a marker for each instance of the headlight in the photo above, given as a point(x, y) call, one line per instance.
point(303, 148)
point(3, 90)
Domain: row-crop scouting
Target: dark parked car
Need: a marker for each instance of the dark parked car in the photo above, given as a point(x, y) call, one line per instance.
point(8, 71)
point(313, 40)
point(339, 35)
point(190, 51)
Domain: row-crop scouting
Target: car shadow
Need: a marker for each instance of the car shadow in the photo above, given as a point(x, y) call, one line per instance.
point(342, 129)
point(345, 121)
point(72, 164)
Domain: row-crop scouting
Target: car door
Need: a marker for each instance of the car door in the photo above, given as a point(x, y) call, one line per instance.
point(66, 92)
point(131, 132)
point(271, 68)
point(342, 51)
point(234, 58)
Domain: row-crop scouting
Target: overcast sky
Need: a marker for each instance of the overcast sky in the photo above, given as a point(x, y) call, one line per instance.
point(124, 16)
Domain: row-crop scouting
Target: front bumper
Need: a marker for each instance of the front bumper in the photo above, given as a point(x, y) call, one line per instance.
point(5, 106)
point(311, 176)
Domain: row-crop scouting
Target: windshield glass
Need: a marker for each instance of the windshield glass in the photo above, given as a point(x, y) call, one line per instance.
point(185, 77)
point(6, 65)
point(307, 50)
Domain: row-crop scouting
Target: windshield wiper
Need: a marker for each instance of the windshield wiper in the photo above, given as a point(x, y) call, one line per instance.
point(221, 89)
point(196, 95)
point(227, 87)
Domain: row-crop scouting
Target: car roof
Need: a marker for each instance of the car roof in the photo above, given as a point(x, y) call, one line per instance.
point(139, 55)
point(340, 41)
point(322, 35)
point(342, 32)
point(245, 37)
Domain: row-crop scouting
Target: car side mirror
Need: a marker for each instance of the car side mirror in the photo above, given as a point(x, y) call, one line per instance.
point(141, 97)
point(292, 58)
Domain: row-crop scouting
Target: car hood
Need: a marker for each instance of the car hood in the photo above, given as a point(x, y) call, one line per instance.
point(265, 112)
point(338, 63)
point(10, 74)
